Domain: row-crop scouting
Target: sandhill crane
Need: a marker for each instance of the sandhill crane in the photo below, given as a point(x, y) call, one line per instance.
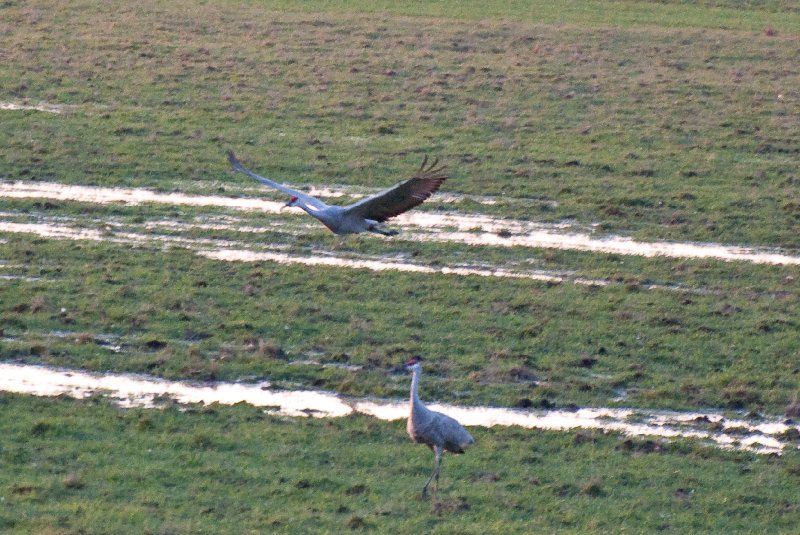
point(366, 214)
point(434, 429)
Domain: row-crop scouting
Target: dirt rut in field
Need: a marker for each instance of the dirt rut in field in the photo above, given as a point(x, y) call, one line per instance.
point(762, 436)
point(472, 230)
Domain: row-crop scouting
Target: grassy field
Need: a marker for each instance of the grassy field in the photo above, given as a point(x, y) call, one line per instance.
point(490, 341)
point(687, 133)
point(654, 120)
point(236, 470)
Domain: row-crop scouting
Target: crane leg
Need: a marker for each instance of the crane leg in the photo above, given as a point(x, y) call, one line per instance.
point(437, 451)
point(386, 232)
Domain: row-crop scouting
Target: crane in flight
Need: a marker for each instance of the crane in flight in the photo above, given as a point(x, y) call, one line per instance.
point(367, 214)
point(436, 430)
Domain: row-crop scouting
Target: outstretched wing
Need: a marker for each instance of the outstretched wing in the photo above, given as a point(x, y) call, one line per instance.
point(402, 197)
point(305, 197)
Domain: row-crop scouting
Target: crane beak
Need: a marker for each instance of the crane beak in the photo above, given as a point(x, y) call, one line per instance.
point(291, 202)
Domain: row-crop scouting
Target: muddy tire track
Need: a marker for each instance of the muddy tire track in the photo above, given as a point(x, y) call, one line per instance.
point(128, 390)
point(473, 230)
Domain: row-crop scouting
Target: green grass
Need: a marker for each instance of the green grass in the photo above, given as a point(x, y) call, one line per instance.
point(725, 14)
point(655, 120)
point(664, 348)
point(87, 467)
point(661, 132)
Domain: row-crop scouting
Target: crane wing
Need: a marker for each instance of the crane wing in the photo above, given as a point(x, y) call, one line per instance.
point(308, 199)
point(402, 197)
point(453, 435)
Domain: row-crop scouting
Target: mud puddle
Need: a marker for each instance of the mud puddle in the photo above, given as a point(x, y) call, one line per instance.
point(474, 230)
point(235, 252)
point(761, 436)
point(24, 106)
point(244, 255)
point(230, 251)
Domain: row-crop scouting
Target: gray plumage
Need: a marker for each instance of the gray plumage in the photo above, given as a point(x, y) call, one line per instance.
point(366, 214)
point(436, 430)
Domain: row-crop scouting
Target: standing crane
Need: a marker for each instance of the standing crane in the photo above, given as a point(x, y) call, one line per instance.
point(366, 214)
point(434, 429)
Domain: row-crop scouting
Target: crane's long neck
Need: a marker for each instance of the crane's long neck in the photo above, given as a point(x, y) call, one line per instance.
point(415, 401)
point(326, 216)
point(307, 207)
